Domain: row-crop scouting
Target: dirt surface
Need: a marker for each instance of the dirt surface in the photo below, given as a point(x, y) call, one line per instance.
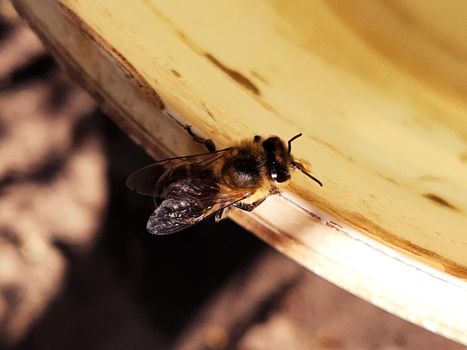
point(78, 270)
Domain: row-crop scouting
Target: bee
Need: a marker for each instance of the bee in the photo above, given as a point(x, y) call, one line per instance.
point(190, 188)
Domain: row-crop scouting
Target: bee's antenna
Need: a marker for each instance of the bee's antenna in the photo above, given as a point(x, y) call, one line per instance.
point(289, 143)
point(300, 167)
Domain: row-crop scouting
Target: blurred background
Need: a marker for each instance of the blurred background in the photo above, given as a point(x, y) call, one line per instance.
point(78, 270)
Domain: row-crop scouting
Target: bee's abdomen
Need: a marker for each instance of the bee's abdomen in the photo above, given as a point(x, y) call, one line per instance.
point(173, 215)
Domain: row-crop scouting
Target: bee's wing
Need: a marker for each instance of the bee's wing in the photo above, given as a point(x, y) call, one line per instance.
point(176, 214)
point(144, 180)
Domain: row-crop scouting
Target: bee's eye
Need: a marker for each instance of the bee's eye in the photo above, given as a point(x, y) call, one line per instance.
point(279, 175)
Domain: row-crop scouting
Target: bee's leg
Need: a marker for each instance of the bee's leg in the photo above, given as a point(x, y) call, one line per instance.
point(249, 207)
point(274, 190)
point(208, 143)
point(221, 214)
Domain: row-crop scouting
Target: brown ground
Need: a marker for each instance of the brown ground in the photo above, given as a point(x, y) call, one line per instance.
point(78, 270)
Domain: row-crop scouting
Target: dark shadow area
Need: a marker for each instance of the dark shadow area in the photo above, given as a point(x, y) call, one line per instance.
point(5, 28)
point(3, 128)
point(59, 91)
point(38, 68)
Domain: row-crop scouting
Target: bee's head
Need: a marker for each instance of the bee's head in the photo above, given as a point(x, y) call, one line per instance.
point(278, 159)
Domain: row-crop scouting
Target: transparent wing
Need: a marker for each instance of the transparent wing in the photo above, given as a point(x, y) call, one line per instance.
point(144, 180)
point(176, 214)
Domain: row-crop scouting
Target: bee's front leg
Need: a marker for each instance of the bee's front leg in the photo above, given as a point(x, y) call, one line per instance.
point(249, 207)
point(208, 143)
point(221, 214)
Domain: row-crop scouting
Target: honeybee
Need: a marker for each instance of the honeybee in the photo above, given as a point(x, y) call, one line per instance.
point(190, 188)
